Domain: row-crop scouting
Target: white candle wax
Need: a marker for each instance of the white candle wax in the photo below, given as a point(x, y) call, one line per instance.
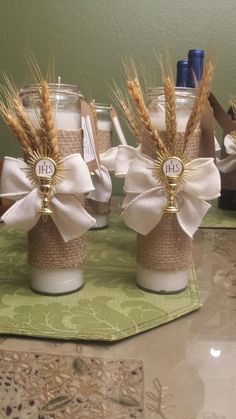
point(64, 120)
point(162, 281)
point(101, 221)
point(104, 125)
point(182, 116)
point(57, 281)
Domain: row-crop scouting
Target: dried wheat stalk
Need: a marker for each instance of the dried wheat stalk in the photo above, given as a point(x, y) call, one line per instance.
point(14, 109)
point(48, 131)
point(233, 105)
point(16, 128)
point(201, 98)
point(25, 122)
point(170, 108)
point(135, 92)
point(128, 113)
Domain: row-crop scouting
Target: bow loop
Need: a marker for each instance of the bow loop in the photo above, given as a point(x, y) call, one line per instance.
point(140, 176)
point(102, 185)
point(146, 198)
point(202, 172)
point(124, 157)
point(14, 182)
point(68, 214)
point(108, 159)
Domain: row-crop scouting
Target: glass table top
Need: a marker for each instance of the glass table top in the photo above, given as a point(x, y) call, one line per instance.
point(184, 369)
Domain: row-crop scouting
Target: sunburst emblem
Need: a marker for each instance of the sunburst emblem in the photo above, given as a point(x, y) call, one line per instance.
point(171, 171)
point(44, 170)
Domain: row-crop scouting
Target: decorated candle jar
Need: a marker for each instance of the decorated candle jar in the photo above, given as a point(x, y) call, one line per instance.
point(166, 193)
point(57, 247)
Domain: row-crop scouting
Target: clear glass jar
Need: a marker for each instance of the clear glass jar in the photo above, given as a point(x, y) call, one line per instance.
point(65, 100)
point(184, 102)
point(56, 268)
point(164, 254)
point(103, 113)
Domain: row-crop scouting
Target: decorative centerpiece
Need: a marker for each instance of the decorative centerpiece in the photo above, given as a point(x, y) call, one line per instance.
point(167, 185)
point(49, 184)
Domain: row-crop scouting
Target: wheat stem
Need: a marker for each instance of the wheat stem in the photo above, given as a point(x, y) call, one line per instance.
point(25, 123)
point(127, 110)
point(47, 123)
point(135, 92)
point(170, 108)
point(16, 128)
point(200, 100)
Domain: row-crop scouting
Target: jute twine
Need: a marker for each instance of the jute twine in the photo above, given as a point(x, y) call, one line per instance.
point(167, 247)
point(104, 140)
point(46, 248)
point(104, 143)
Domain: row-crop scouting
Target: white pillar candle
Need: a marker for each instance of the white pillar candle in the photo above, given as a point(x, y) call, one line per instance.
point(104, 125)
point(182, 116)
point(161, 281)
point(157, 280)
point(56, 281)
point(64, 120)
point(67, 116)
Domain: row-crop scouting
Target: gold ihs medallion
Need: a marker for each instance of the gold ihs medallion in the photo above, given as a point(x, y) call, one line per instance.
point(170, 170)
point(44, 171)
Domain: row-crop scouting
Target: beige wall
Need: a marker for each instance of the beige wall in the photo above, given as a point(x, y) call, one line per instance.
point(89, 37)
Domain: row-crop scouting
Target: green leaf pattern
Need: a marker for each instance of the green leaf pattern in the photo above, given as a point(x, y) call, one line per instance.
point(110, 306)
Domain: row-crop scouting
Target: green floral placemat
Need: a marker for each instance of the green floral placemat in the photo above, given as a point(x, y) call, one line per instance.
point(219, 218)
point(109, 307)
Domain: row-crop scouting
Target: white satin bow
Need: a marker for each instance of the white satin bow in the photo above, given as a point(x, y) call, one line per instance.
point(102, 185)
point(229, 163)
point(145, 196)
point(117, 160)
point(68, 214)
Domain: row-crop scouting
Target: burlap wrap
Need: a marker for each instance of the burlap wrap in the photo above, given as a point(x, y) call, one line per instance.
point(104, 143)
point(167, 247)
point(46, 248)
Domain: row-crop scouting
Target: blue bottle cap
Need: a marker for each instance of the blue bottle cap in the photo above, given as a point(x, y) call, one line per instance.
point(182, 73)
point(195, 66)
point(196, 53)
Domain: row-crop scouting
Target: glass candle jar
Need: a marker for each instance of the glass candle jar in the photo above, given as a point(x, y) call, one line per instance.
point(98, 209)
point(66, 104)
point(56, 266)
point(184, 102)
point(103, 113)
point(164, 255)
